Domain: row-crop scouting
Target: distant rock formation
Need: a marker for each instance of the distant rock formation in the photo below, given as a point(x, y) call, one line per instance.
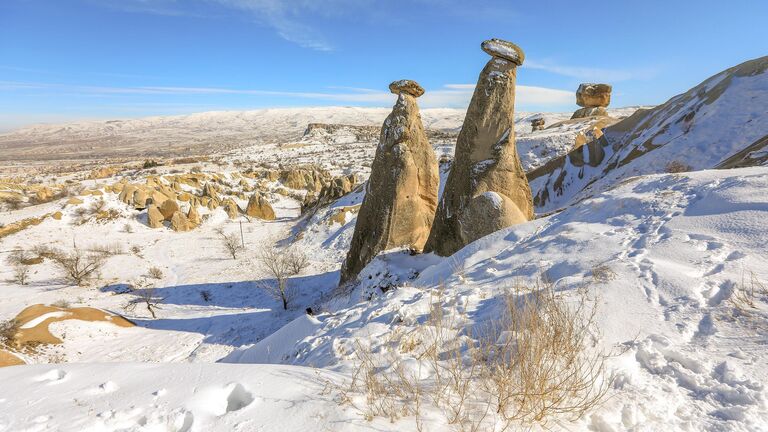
point(486, 189)
point(594, 98)
point(259, 207)
point(537, 124)
point(401, 195)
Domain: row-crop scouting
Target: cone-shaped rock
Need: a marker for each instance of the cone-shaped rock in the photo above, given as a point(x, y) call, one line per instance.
point(259, 207)
point(401, 194)
point(486, 189)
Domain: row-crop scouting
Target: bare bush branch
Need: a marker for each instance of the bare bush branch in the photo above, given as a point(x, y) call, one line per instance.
point(282, 264)
point(77, 266)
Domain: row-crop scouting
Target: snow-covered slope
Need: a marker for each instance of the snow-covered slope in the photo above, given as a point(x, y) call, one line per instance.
point(721, 122)
point(666, 256)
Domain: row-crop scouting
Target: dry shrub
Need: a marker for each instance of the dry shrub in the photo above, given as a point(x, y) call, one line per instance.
point(678, 167)
point(107, 249)
point(602, 274)
point(533, 364)
point(8, 331)
point(282, 264)
point(745, 301)
point(155, 273)
point(77, 266)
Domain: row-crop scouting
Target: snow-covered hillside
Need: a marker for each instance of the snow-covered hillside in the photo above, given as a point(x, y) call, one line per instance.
point(721, 122)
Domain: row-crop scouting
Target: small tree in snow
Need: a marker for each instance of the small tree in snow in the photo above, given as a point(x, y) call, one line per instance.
point(282, 264)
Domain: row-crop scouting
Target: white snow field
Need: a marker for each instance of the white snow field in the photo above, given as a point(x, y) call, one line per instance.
point(678, 247)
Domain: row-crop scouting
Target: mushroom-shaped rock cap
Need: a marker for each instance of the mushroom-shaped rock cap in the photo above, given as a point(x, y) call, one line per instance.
point(406, 86)
point(504, 49)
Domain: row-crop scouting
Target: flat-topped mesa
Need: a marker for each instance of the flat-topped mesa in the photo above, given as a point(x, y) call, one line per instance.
point(486, 189)
point(401, 194)
point(593, 98)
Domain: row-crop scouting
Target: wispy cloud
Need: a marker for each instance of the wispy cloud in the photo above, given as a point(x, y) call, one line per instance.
point(590, 73)
point(292, 20)
point(449, 95)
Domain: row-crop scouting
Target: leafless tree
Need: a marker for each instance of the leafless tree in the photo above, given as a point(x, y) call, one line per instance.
point(231, 243)
point(21, 274)
point(282, 264)
point(145, 295)
point(77, 266)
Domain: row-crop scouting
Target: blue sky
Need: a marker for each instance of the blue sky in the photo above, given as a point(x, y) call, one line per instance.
point(62, 60)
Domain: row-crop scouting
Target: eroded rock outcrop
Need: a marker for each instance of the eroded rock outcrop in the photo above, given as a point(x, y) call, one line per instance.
point(401, 195)
point(259, 207)
point(486, 189)
point(594, 98)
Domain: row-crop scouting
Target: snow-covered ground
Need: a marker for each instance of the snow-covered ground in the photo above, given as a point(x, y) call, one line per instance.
point(669, 260)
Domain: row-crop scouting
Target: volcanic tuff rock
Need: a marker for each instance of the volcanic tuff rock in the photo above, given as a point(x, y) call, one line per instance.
point(259, 207)
point(594, 98)
point(401, 195)
point(486, 189)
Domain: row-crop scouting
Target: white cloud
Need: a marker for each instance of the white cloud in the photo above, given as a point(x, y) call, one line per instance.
point(459, 95)
point(448, 96)
point(590, 73)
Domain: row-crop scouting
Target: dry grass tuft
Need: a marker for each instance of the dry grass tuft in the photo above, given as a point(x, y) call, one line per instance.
point(533, 364)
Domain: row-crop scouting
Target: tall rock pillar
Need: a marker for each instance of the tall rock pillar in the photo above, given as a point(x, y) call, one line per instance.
point(401, 194)
point(486, 189)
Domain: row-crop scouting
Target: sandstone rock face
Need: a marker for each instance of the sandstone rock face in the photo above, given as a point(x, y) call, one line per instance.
point(591, 95)
point(140, 198)
point(193, 216)
point(486, 189)
point(168, 208)
point(154, 217)
point(589, 112)
point(401, 196)
point(179, 222)
point(337, 188)
point(259, 207)
point(231, 208)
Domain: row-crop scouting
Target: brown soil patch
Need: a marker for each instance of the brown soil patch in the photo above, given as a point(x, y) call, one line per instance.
point(9, 359)
point(40, 334)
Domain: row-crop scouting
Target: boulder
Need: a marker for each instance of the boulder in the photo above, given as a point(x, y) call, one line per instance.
point(193, 216)
point(486, 189)
point(74, 201)
point(259, 207)
point(590, 95)
point(126, 194)
point(537, 124)
point(401, 195)
point(140, 198)
point(179, 222)
point(168, 208)
point(154, 217)
point(57, 215)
